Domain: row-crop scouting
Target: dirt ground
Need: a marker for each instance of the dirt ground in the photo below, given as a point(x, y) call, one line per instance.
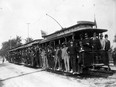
point(12, 75)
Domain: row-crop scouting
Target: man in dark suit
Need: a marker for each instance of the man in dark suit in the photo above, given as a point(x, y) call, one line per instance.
point(107, 48)
point(87, 43)
point(72, 50)
point(96, 45)
point(107, 43)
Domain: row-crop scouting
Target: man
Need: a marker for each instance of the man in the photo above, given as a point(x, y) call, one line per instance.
point(37, 56)
point(40, 57)
point(81, 55)
point(114, 56)
point(43, 58)
point(3, 59)
point(56, 58)
point(46, 60)
point(96, 45)
point(102, 41)
point(107, 48)
point(87, 43)
point(102, 51)
point(72, 50)
point(65, 57)
point(107, 43)
point(60, 57)
point(114, 50)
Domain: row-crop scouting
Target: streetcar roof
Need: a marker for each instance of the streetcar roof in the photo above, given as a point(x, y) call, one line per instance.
point(86, 22)
point(26, 45)
point(78, 23)
point(70, 31)
point(80, 26)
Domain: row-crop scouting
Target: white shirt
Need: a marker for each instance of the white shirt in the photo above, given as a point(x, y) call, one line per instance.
point(114, 45)
point(64, 52)
point(102, 41)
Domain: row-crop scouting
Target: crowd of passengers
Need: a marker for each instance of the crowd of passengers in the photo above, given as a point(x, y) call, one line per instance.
point(66, 56)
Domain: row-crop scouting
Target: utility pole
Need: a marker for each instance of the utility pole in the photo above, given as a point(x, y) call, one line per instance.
point(55, 21)
point(10, 42)
point(28, 29)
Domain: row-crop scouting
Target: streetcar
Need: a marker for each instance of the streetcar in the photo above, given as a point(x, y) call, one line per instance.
point(87, 58)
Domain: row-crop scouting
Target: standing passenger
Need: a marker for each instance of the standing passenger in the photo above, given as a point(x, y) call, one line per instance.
point(114, 56)
point(107, 48)
point(72, 50)
point(65, 57)
point(43, 58)
point(40, 57)
point(96, 43)
point(3, 59)
point(102, 41)
point(87, 43)
point(46, 60)
point(37, 56)
point(56, 58)
point(114, 51)
point(96, 47)
point(60, 57)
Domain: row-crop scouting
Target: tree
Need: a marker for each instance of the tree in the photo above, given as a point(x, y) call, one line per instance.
point(9, 45)
point(27, 40)
point(18, 41)
point(5, 48)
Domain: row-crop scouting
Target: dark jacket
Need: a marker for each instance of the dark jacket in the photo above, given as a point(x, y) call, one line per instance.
point(107, 45)
point(96, 45)
point(87, 45)
point(72, 50)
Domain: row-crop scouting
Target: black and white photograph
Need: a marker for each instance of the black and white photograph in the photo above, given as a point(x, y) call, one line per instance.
point(57, 43)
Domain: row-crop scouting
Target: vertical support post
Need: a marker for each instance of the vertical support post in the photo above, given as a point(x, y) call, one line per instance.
point(54, 44)
point(65, 40)
point(59, 42)
point(73, 37)
point(28, 29)
point(10, 42)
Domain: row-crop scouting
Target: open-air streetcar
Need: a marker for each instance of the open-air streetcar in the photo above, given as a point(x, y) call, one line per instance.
point(89, 53)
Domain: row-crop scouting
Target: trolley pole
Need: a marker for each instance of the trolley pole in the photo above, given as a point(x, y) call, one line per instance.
point(55, 21)
point(94, 16)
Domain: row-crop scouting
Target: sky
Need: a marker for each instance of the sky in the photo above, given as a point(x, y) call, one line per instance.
point(16, 14)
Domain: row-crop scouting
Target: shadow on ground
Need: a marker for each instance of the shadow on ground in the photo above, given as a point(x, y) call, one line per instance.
point(3, 64)
point(22, 74)
point(90, 74)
